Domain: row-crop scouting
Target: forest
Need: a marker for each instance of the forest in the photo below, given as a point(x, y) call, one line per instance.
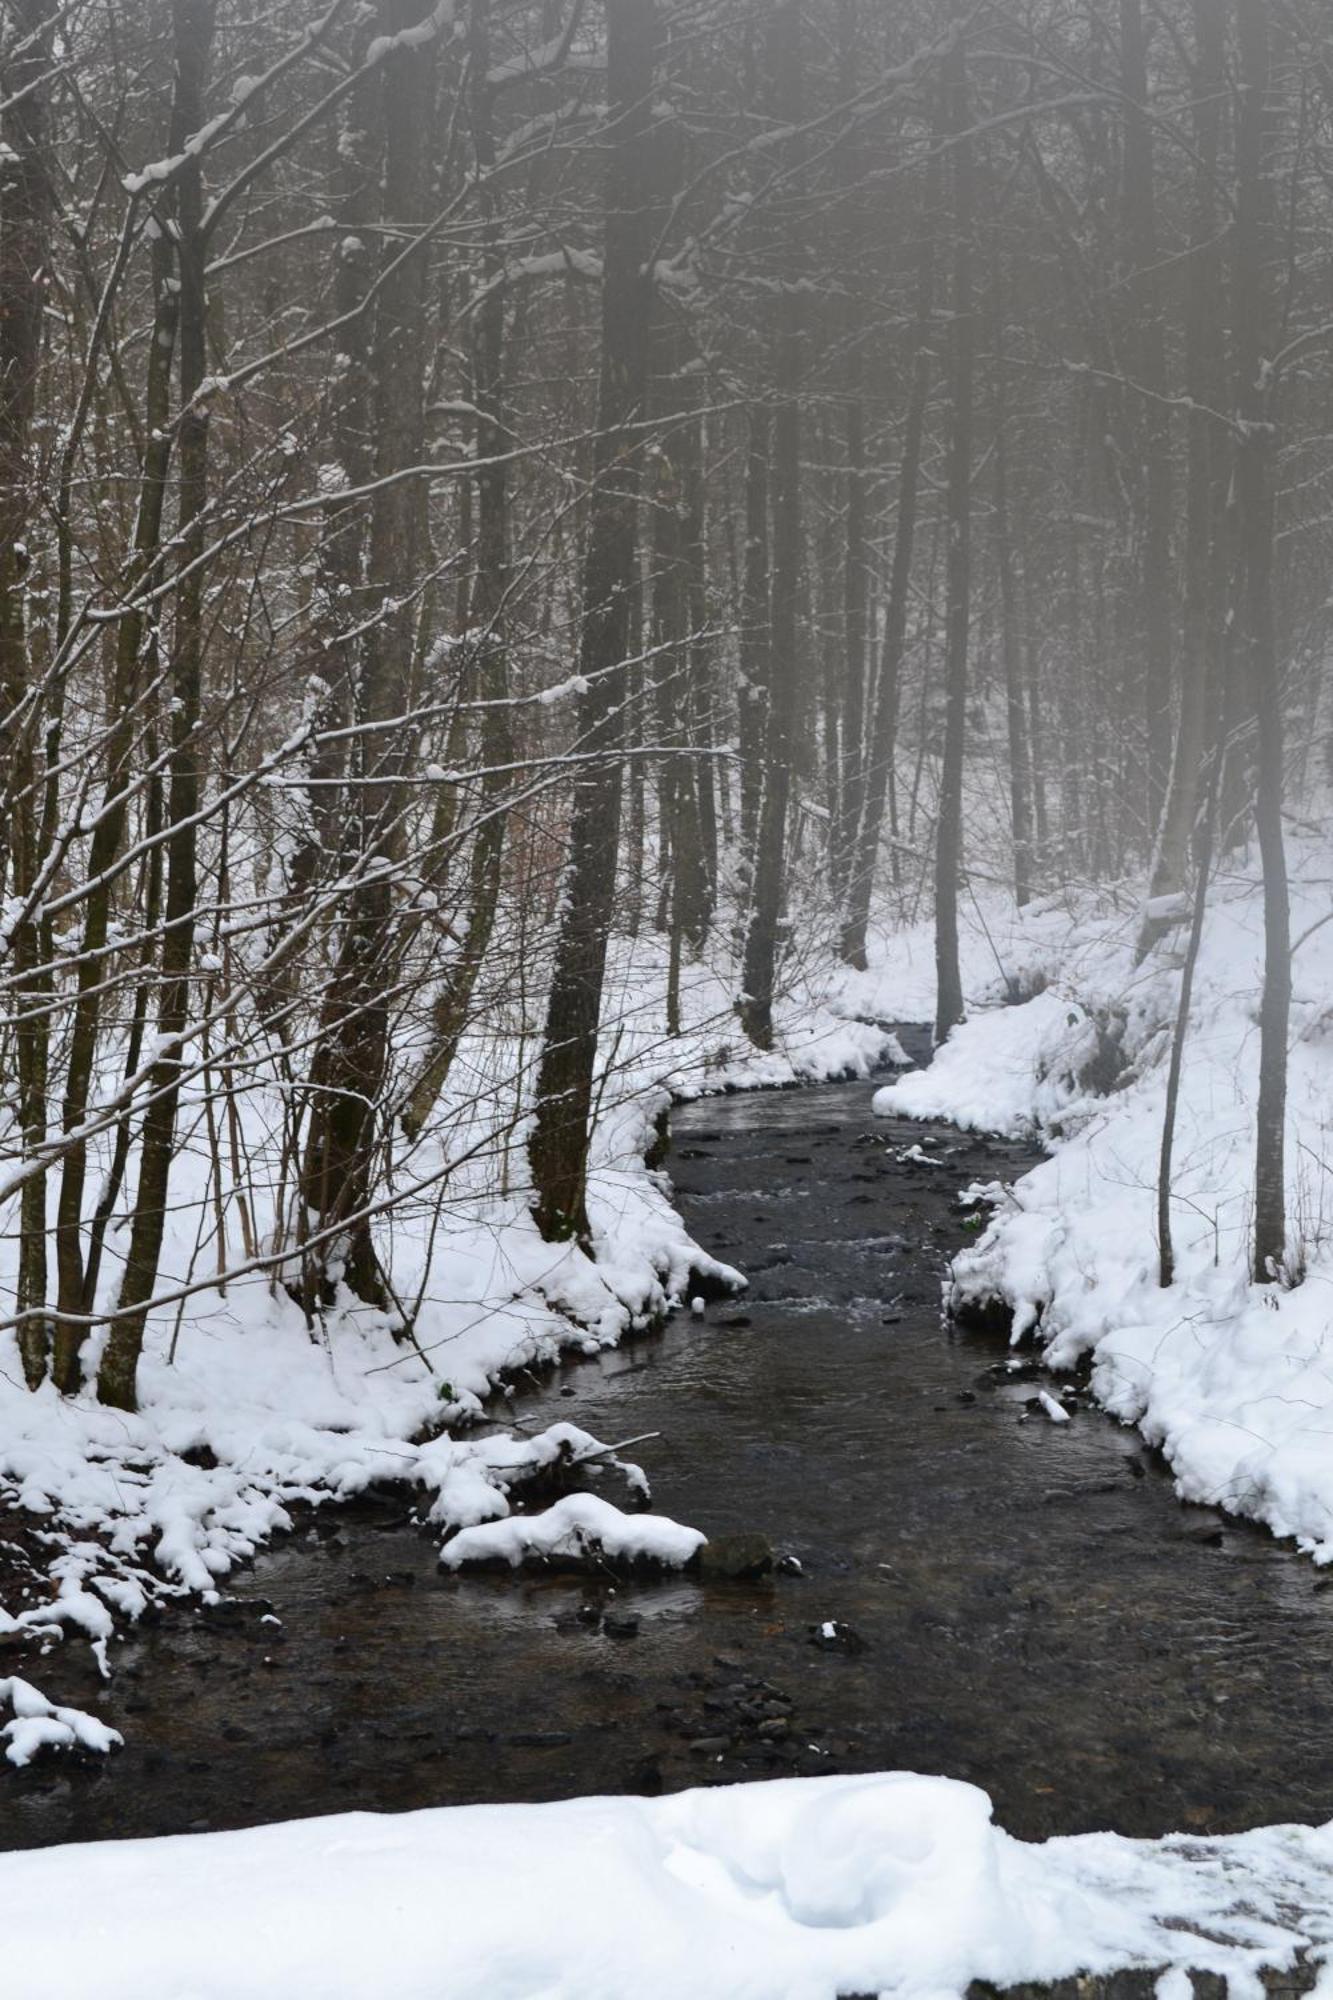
point(586, 587)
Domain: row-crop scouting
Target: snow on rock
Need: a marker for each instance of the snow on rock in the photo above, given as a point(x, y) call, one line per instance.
point(38, 1724)
point(578, 1525)
point(797, 1889)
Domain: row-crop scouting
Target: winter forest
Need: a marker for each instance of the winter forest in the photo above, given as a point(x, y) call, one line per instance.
point(666, 750)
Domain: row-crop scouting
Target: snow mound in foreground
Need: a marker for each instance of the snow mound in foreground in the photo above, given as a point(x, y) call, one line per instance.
point(799, 1889)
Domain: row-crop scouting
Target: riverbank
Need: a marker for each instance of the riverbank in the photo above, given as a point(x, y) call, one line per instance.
point(1232, 1381)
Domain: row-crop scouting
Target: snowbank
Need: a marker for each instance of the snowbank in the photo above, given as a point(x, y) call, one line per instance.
point(1002, 1081)
point(799, 1889)
point(1233, 1381)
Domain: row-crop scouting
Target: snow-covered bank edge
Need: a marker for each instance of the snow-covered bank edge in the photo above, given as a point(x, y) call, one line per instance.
point(245, 1415)
point(792, 1889)
point(1233, 1382)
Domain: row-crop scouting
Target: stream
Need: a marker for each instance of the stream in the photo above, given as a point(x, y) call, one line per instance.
point(1012, 1601)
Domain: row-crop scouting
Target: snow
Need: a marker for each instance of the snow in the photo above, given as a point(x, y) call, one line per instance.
point(38, 1724)
point(1232, 1380)
point(998, 1082)
point(416, 37)
point(576, 684)
point(798, 1889)
point(579, 1524)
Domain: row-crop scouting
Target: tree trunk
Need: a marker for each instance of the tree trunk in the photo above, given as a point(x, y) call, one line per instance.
point(558, 1149)
point(1205, 587)
point(756, 634)
point(192, 35)
point(350, 1062)
point(487, 612)
point(338, 594)
point(1254, 499)
point(135, 657)
point(856, 546)
point(1153, 425)
point(1011, 635)
point(855, 600)
point(25, 228)
point(701, 675)
point(962, 346)
point(883, 748)
point(1166, 1259)
point(763, 937)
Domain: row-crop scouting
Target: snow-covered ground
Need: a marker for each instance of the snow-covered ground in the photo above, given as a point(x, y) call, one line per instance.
point(799, 1889)
point(1234, 1381)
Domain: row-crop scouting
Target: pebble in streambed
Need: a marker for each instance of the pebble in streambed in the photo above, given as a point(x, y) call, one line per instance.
point(727, 1716)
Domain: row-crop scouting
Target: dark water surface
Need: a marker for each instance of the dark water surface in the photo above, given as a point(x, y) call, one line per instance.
point(1031, 1607)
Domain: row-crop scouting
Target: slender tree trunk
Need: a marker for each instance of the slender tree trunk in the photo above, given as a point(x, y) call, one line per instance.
point(109, 1193)
point(1032, 695)
point(338, 595)
point(558, 1148)
point(25, 228)
point(1205, 588)
point(1254, 483)
point(487, 613)
point(1154, 421)
point(883, 747)
point(949, 826)
point(856, 545)
point(350, 1063)
point(639, 724)
point(1166, 1259)
point(134, 658)
point(824, 612)
point(701, 675)
point(1011, 635)
point(756, 633)
point(685, 883)
point(855, 612)
point(764, 935)
point(192, 35)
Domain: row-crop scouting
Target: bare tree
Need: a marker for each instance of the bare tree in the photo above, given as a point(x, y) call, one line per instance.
point(962, 358)
point(560, 1138)
point(764, 934)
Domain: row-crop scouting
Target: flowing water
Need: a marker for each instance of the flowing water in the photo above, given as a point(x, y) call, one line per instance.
point(1011, 1600)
